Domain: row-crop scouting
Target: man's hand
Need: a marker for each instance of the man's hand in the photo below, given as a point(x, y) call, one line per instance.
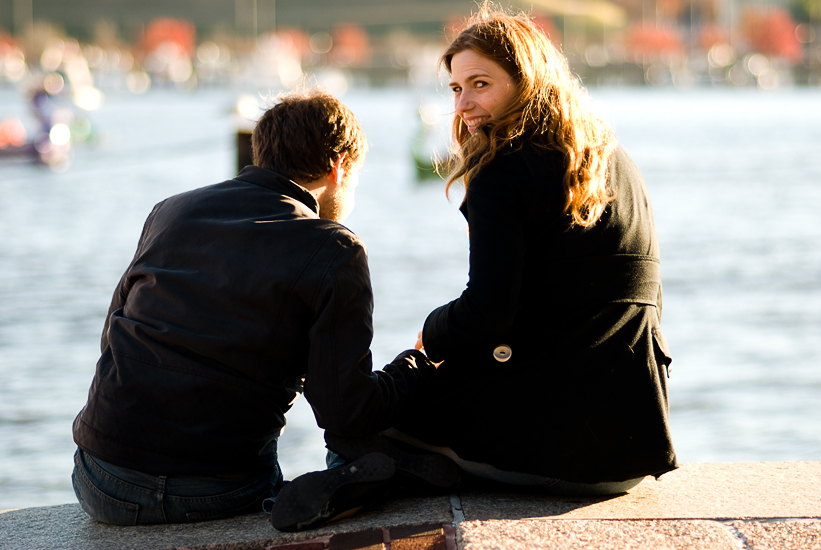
point(421, 347)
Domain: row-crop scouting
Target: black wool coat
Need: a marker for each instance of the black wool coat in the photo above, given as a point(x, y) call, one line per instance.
point(583, 394)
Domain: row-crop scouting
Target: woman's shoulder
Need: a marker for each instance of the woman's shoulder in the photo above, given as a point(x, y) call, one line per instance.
point(527, 153)
point(521, 163)
point(622, 171)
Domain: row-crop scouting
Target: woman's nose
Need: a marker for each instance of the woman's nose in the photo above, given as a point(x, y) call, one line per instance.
point(463, 103)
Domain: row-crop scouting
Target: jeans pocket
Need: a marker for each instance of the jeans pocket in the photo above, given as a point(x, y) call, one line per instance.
point(99, 505)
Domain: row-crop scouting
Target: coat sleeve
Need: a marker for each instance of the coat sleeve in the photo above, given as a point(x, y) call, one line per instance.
point(347, 397)
point(487, 308)
point(124, 286)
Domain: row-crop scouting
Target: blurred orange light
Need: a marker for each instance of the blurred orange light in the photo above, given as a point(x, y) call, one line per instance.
point(165, 29)
point(771, 32)
point(12, 133)
point(652, 40)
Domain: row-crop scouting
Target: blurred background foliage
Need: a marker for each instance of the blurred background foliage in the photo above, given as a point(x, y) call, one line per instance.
point(65, 56)
point(191, 43)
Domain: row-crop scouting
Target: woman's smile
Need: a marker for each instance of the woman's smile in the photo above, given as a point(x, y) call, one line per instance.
point(482, 89)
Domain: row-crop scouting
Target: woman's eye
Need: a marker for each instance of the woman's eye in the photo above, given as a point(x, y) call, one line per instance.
point(456, 90)
point(481, 83)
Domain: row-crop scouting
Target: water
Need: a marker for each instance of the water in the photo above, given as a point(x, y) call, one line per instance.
point(735, 178)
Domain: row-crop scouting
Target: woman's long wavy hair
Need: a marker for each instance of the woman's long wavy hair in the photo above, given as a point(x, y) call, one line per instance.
point(549, 109)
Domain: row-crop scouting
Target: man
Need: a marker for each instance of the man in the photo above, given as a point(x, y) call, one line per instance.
point(237, 292)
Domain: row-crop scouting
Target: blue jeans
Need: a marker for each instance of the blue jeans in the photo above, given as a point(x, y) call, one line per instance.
point(120, 496)
point(333, 460)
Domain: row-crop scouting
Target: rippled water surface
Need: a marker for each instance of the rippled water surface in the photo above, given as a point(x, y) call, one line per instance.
point(735, 179)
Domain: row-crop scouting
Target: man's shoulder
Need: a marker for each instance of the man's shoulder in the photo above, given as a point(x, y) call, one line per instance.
point(202, 193)
point(337, 234)
point(235, 196)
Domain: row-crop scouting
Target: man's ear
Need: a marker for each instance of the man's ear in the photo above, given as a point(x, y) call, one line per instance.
point(338, 170)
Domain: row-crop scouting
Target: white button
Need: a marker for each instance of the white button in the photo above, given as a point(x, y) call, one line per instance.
point(502, 353)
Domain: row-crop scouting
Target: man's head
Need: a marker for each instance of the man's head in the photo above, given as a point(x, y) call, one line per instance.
point(303, 136)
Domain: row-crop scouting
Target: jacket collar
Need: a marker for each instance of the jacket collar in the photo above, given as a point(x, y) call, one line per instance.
point(279, 183)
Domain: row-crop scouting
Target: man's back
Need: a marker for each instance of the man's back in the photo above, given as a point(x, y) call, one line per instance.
point(207, 338)
point(240, 295)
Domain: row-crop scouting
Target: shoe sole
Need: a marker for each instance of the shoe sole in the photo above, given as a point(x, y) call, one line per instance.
point(318, 497)
point(437, 472)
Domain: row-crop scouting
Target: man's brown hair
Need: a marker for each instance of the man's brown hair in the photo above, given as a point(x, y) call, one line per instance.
point(304, 133)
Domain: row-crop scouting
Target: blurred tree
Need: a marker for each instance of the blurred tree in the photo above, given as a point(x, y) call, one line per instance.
point(807, 11)
point(106, 34)
point(671, 9)
point(771, 32)
point(351, 46)
point(6, 42)
point(710, 35)
point(294, 40)
point(549, 28)
point(651, 41)
point(166, 29)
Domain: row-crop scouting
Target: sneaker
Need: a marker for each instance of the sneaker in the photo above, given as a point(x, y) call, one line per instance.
point(417, 470)
point(318, 497)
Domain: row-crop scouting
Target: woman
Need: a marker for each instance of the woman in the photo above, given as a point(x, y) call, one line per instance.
point(553, 366)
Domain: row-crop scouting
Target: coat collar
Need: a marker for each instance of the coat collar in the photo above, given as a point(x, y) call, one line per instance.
point(279, 183)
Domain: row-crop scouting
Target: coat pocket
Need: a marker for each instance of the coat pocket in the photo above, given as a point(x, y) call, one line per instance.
point(662, 351)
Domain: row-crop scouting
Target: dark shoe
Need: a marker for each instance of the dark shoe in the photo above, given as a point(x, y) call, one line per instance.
point(417, 470)
point(318, 497)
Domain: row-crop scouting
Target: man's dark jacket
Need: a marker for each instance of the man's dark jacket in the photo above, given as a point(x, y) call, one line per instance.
point(583, 395)
point(236, 293)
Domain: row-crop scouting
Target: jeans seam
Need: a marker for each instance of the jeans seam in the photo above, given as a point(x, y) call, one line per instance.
point(160, 496)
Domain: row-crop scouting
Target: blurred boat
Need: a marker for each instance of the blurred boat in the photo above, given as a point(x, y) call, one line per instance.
point(431, 144)
point(56, 128)
point(50, 143)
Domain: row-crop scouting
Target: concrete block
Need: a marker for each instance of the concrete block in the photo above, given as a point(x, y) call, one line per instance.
point(67, 527)
point(705, 506)
point(696, 490)
point(780, 535)
point(599, 535)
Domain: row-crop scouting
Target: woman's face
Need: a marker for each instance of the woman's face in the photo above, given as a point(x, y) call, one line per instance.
point(481, 88)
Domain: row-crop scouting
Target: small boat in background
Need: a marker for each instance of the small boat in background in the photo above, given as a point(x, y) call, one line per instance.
point(56, 129)
point(431, 144)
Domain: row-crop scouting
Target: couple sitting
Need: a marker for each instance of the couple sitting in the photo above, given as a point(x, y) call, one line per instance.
point(549, 370)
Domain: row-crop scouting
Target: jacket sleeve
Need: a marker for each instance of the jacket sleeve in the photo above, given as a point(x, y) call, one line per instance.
point(487, 308)
point(346, 396)
point(124, 286)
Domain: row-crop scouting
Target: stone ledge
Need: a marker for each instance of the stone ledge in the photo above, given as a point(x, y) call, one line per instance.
point(720, 505)
point(732, 490)
point(556, 534)
point(67, 527)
